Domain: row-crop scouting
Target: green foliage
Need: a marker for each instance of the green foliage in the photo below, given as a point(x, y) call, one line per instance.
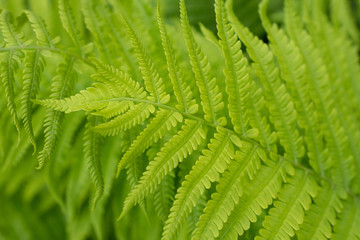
point(213, 135)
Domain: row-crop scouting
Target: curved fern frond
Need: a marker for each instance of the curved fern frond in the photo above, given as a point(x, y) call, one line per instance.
point(34, 65)
point(61, 87)
point(182, 91)
point(206, 170)
point(153, 82)
point(278, 100)
point(211, 97)
point(92, 144)
point(259, 195)
point(155, 130)
point(174, 151)
point(288, 212)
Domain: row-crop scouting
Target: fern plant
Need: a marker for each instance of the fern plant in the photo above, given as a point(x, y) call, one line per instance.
point(123, 120)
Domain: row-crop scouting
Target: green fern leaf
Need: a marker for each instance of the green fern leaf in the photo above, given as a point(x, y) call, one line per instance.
point(182, 91)
point(228, 192)
point(68, 22)
point(92, 144)
point(280, 105)
point(347, 226)
point(293, 71)
point(153, 82)
point(136, 115)
point(164, 196)
point(237, 78)
point(288, 212)
point(174, 151)
point(211, 98)
point(34, 65)
point(321, 216)
point(61, 87)
point(155, 130)
point(39, 27)
point(259, 195)
point(114, 109)
point(321, 95)
point(206, 170)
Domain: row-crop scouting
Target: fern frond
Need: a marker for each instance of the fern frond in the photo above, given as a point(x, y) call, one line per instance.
point(114, 109)
point(228, 192)
point(61, 87)
point(288, 212)
point(174, 151)
point(39, 27)
point(211, 97)
point(155, 130)
point(68, 22)
point(237, 79)
point(293, 71)
point(136, 115)
point(109, 74)
point(9, 33)
point(92, 155)
point(9, 65)
point(279, 103)
point(347, 226)
point(321, 216)
point(182, 91)
point(34, 65)
point(93, 98)
point(320, 91)
point(94, 24)
point(206, 170)
point(164, 196)
point(153, 82)
point(258, 196)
